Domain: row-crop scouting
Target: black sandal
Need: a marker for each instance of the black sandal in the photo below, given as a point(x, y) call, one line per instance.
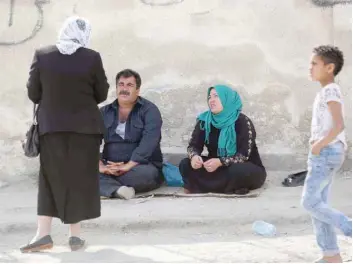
point(242, 191)
point(295, 179)
point(76, 243)
point(42, 244)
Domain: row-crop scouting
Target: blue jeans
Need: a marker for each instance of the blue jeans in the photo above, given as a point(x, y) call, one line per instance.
point(143, 178)
point(321, 170)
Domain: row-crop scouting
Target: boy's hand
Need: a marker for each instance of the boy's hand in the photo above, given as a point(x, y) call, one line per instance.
point(316, 148)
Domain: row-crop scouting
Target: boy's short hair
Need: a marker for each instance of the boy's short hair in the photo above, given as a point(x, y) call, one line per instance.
point(129, 73)
point(330, 54)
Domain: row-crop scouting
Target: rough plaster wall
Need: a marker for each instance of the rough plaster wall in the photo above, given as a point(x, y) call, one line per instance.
point(261, 48)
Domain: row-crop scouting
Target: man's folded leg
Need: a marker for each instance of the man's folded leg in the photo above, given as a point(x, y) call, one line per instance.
point(143, 178)
point(108, 185)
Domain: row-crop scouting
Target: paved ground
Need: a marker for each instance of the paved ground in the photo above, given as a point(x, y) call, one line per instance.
point(177, 229)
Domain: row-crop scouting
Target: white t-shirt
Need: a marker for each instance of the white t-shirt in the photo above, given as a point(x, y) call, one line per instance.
point(120, 129)
point(321, 122)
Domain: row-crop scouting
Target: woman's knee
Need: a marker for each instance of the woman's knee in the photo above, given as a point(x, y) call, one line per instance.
point(184, 166)
point(249, 174)
point(260, 179)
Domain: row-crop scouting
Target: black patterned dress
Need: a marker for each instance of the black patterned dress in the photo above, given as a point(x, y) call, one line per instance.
point(242, 171)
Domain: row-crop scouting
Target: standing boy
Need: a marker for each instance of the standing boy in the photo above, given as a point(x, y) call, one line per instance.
point(328, 145)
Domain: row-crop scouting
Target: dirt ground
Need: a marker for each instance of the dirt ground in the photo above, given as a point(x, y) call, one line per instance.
point(177, 229)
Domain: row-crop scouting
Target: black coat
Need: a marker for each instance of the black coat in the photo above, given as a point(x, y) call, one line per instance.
point(246, 143)
point(68, 89)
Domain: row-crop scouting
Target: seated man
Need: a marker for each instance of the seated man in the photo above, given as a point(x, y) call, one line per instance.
point(132, 158)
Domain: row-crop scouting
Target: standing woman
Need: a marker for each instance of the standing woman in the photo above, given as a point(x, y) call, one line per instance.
point(67, 80)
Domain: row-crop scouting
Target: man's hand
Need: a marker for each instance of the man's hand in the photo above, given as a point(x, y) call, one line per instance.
point(196, 162)
point(212, 164)
point(114, 165)
point(119, 168)
point(109, 169)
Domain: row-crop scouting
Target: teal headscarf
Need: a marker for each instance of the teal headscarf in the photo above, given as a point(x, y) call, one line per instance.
point(232, 105)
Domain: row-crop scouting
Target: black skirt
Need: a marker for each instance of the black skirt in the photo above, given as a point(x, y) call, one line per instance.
point(226, 180)
point(69, 176)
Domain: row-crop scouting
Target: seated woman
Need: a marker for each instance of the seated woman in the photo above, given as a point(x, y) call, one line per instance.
point(233, 164)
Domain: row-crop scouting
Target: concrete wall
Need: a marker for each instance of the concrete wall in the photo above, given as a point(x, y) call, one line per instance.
point(180, 48)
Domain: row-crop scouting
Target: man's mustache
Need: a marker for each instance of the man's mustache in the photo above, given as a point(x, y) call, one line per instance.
point(124, 92)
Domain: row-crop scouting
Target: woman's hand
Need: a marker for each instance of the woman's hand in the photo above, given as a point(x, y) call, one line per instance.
point(212, 164)
point(196, 162)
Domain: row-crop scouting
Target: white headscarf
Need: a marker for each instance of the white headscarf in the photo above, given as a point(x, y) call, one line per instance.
point(74, 34)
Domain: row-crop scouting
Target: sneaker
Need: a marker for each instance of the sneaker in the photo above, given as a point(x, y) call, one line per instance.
point(125, 193)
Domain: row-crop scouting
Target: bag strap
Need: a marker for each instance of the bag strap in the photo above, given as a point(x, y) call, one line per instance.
point(35, 110)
